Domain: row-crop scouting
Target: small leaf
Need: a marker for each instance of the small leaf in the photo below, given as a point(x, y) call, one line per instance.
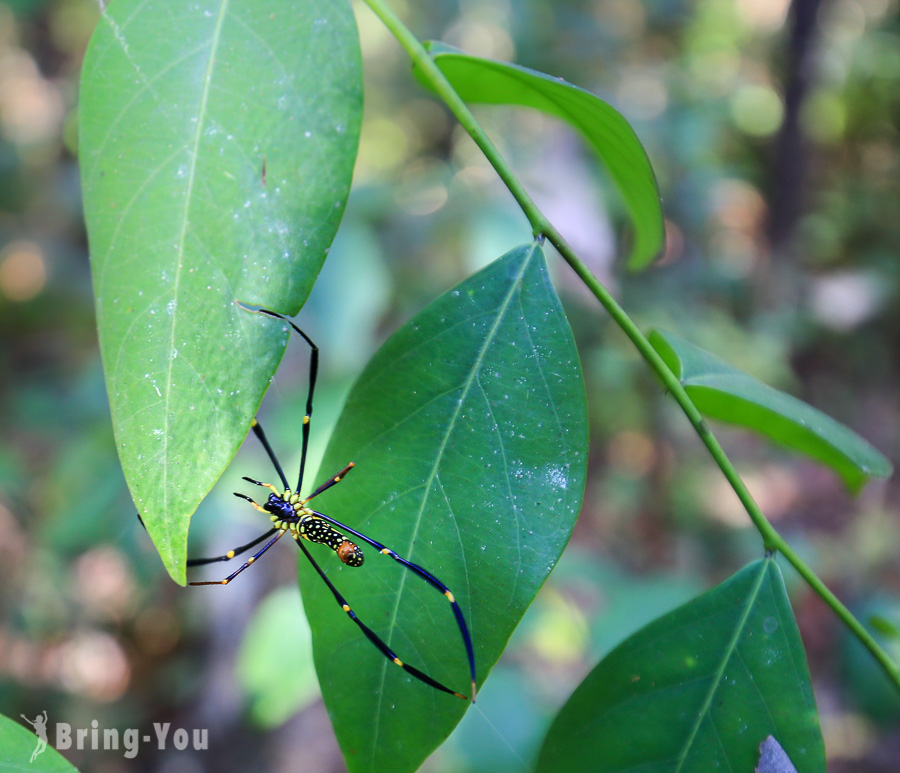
point(498, 83)
point(20, 749)
point(216, 144)
point(698, 689)
point(723, 392)
point(469, 433)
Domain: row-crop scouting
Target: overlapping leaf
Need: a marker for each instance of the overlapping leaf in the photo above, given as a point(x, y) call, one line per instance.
point(723, 392)
point(498, 83)
point(698, 689)
point(468, 430)
point(217, 141)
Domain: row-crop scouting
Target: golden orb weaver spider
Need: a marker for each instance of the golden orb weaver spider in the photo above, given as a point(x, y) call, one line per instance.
point(290, 514)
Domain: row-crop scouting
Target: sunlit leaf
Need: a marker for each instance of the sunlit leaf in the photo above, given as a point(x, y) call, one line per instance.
point(216, 143)
point(469, 434)
point(698, 689)
point(723, 392)
point(605, 129)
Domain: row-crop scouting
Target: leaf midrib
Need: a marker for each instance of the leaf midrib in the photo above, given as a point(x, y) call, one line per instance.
point(727, 654)
point(182, 237)
point(450, 425)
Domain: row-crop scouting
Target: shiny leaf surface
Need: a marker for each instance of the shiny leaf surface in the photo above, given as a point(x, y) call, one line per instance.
point(469, 434)
point(217, 142)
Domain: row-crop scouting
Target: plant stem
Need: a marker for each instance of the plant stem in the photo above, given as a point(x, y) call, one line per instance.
point(541, 226)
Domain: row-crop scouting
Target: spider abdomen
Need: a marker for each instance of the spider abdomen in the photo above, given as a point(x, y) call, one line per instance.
point(317, 530)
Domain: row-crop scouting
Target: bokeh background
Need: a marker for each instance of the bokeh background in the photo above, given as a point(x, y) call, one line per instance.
point(774, 129)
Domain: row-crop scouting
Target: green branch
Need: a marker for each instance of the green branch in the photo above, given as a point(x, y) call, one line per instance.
point(541, 226)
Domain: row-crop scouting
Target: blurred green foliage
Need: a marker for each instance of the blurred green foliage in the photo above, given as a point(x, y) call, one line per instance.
point(90, 627)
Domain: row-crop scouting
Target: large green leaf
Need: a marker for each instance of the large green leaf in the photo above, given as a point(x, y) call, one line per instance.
point(697, 690)
point(17, 746)
point(605, 129)
point(723, 392)
point(217, 141)
point(469, 433)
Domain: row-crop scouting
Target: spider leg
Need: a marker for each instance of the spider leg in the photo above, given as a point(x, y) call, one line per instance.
point(231, 553)
point(425, 575)
point(248, 562)
point(313, 374)
point(371, 635)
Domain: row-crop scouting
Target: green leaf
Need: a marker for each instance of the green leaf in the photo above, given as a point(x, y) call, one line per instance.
point(605, 129)
point(469, 433)
point(698, 689)
point(18, 744)
point(217, 142)
point(723, 392)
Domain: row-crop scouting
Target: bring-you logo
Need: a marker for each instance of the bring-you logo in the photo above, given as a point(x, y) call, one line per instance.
point(127, 740)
